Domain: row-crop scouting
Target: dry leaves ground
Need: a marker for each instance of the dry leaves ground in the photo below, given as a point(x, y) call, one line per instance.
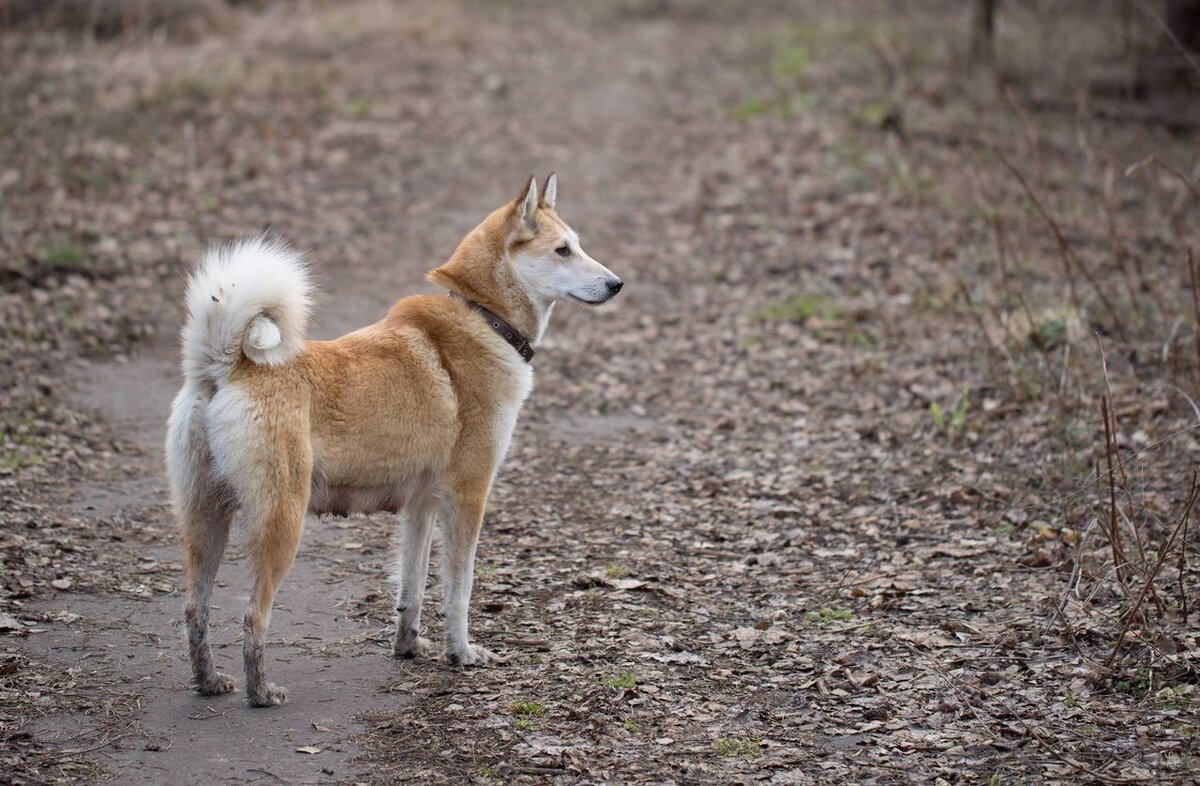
point(815, 500)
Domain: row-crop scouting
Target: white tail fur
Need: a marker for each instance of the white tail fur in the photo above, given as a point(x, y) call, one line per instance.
point(250, 298)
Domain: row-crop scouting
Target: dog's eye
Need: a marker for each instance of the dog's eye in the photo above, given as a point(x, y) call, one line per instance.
point(563, 251)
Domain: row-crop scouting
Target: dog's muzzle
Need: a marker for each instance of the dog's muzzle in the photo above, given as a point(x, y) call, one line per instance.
point(598, 293)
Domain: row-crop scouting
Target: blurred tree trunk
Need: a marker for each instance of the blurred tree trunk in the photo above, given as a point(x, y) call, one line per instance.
point(1162, 68)
point(1183, 18)
point(983, 32)
point(108, 18)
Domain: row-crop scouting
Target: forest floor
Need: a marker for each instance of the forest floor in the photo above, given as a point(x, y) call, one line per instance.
point(815, 500)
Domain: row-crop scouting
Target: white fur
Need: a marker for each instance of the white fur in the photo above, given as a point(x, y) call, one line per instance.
point(506, 421)
point(239, 457)
point(250, 298)
point(410, 571)
point(546, 279)
point(187, 446)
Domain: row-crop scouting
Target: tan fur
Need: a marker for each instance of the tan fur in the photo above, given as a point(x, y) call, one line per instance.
point(407, 413)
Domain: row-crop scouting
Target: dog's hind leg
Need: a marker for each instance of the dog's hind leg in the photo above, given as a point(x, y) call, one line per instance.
point(273, 551)
point(205, 533)
point(262, 447)
point(413, 541)
point(204, 510)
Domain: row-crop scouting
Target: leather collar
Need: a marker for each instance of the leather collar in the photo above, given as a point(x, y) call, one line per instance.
point(504, 330)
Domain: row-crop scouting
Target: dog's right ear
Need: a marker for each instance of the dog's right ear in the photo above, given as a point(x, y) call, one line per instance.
point(527, 205)
point(550, 191)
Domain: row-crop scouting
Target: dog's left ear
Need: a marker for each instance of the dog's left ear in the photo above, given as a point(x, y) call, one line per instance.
point(527, 206)
point(550, 190)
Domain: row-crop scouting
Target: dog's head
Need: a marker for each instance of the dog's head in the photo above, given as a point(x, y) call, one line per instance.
point(546, 258)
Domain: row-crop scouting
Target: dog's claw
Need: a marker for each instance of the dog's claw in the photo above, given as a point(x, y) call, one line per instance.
point(273, 696)
point(215, 685)
point(418, 647)
point(473, 655)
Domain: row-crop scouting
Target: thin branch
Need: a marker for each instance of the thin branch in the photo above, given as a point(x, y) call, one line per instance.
point(1120, 251)
point(1170, 34)
point(1114, 531)
point(1154, 159)
point(1069, 260)
point(1002, 257)
point(1129, 616)
point(1194, 278)
point(1183, 603)
point(1133, 455)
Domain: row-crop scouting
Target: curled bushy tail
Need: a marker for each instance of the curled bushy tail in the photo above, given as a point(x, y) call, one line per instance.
point(250, 299)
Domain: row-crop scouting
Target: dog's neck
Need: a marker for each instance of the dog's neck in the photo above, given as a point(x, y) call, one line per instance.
point(479, 270)
point(541, 315)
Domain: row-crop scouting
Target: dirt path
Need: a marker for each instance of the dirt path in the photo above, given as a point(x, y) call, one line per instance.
point(326, 646)
point(731, 543)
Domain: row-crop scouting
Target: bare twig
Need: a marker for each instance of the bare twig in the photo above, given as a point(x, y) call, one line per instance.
point(1134, 610)
point(1029, 128)
point(1064, 758)
point(1002, 257)
point(1170, 34)
point(1133, 455)
point(986, 721)
point(1194, 278)
point(1114, 531)
point(1190, 400)
point(1183, 603)
point(1069, 260)
point(1125, 487)
point(997, 346)
point(1154, 159)
point(1108, 392)
point(893, 63)
point(103, 744)
point(1060, 611)
point(1120, 251)
point(1171, 334)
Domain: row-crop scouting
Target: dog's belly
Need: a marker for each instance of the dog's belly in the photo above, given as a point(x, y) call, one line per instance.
point(344, 500)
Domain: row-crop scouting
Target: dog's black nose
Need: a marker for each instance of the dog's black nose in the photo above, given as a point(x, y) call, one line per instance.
point(614, 285)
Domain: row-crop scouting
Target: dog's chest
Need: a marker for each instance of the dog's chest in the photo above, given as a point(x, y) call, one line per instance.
point(508, 411)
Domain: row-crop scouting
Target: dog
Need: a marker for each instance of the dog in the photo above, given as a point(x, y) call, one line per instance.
point(412, 414)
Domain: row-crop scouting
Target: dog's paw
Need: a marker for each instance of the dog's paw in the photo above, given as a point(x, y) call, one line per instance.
point(271, 696)
point(473, 655)
point(415, 647)
point(215, 685)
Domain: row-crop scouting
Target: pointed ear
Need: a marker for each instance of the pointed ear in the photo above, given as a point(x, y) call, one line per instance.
point(527, 205)
point(550, 190)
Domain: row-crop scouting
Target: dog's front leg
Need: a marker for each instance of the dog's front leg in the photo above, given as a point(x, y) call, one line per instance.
point(413, 540)
point(460, 534)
